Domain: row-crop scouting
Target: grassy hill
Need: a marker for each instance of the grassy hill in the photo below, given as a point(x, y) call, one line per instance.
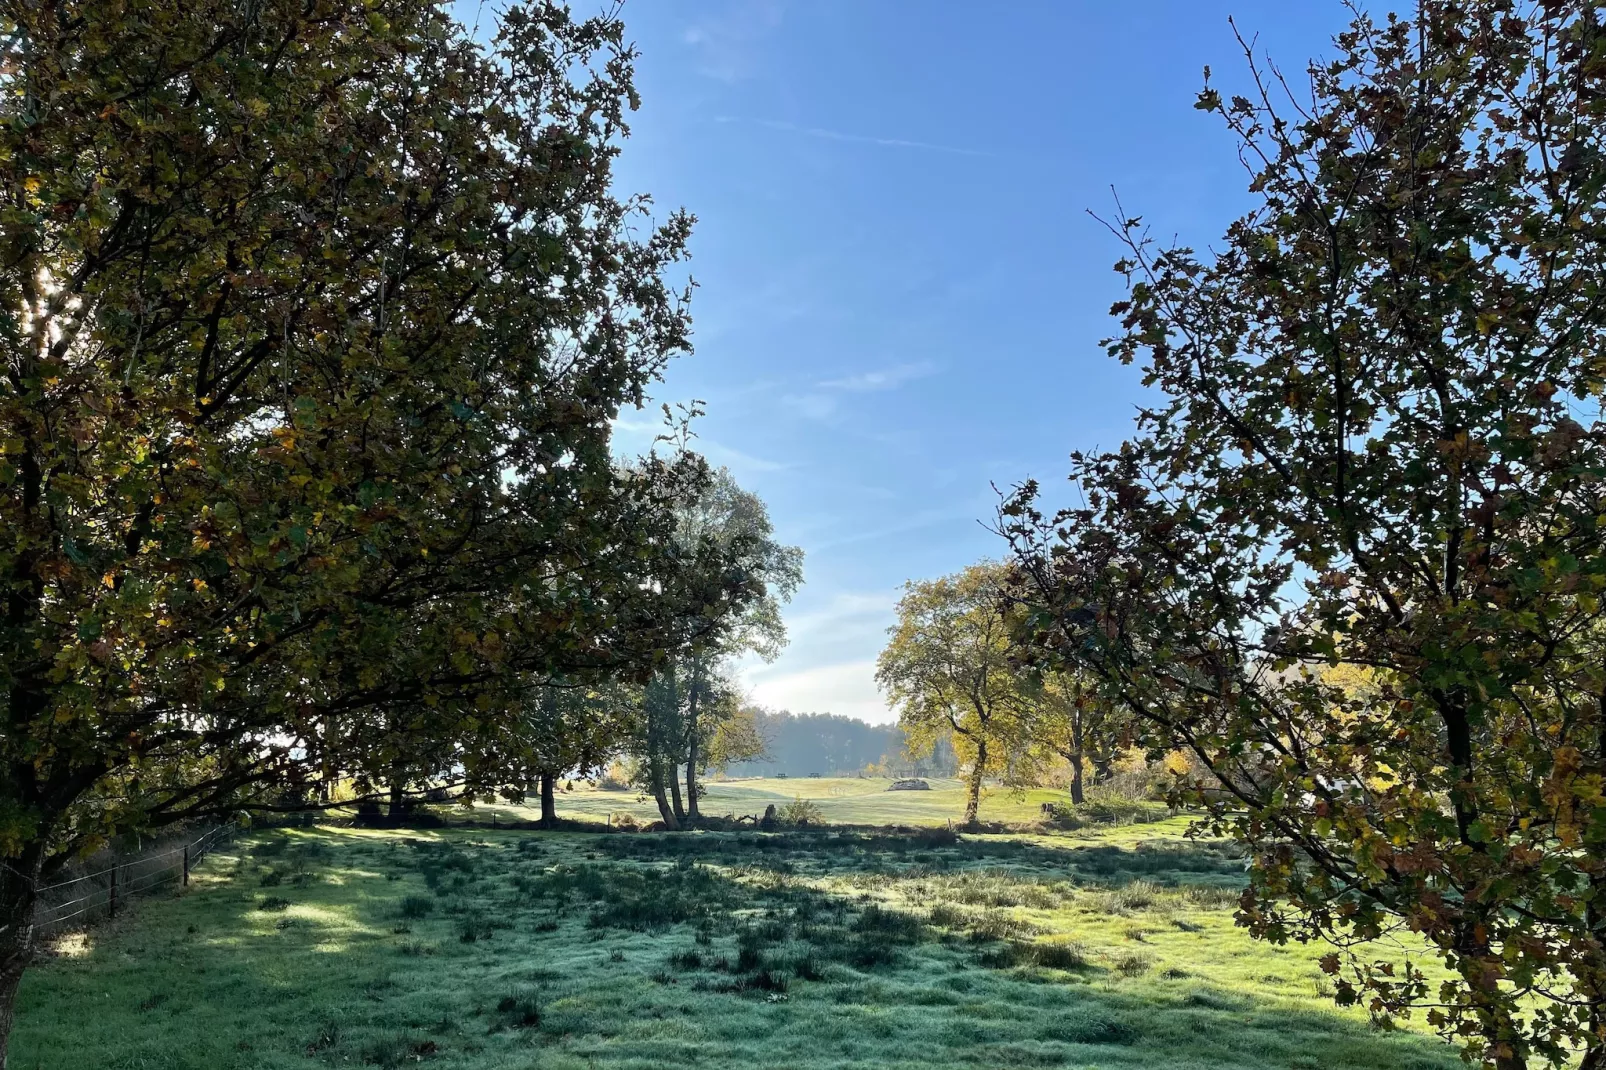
point(478, 950)
point(845, 800)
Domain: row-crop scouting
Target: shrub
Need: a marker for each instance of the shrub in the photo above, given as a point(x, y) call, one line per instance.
point(807, 967)
point(895, 926)
point(327, 1036)
point(1059, 956)
point(1133, 964)
point(1089, 1025)
point(416, 906)
point(800, 813)
point(472, 926)
point(519, 1010)
point(749, 956)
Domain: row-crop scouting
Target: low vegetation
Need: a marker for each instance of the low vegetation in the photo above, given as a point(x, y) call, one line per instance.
point(809, 948)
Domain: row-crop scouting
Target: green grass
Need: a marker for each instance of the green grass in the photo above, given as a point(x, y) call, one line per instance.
point(827, 948)
point(844, 800)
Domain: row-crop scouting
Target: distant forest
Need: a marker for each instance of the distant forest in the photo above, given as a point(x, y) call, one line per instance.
point(825, 744)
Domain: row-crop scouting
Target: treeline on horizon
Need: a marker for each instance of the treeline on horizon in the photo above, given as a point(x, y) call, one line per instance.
point(827, 744)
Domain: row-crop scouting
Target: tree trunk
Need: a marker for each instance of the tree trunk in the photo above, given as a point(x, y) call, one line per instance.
point(973, 799)
point(692, 813)
point(398, 791)
point(1076, 755)
point(16, 942)
point(1501, 1062)
point(691, 739)
point(664, 810)
point(1103, 768)
point(1500, 1030)
point(674, 791)
point(549, 802)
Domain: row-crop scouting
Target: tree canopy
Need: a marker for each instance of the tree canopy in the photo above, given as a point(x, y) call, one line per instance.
point(321, 313)
point(1378, 444)
point(947, 669)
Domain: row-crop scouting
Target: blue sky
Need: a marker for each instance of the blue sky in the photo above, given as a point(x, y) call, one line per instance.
point(900, 291)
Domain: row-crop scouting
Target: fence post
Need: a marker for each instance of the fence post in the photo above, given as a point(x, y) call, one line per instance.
point(112, 911)
point(186, 865)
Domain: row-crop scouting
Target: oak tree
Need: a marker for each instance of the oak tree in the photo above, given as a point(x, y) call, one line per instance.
point(948, 671)
point(1377, 443)
point(318, 316)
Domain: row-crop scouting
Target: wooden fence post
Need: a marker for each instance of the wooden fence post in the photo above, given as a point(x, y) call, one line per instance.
point(112, 912)
point(186, 865)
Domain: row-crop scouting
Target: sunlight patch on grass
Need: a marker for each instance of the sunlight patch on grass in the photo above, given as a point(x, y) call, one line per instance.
point(487, 950)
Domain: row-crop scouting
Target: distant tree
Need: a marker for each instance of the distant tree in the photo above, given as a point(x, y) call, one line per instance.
point(317, 318)
point(1378, 444)
point(737, 523)
point(1072, 721)
point(726, 531)
point(947, 670)
point(804, 744)
point(736, 737)
point(569, 728)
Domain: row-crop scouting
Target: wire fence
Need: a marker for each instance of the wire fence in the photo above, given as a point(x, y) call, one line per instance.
point(78, 901)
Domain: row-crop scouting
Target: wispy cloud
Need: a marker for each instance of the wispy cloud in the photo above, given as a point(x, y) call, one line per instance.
point(821, 401)
point(726, 42)
point(735, 459)
point(811, 406)
point(882, 379)
point(848, 689)
point(924, 518)
point(856, 139)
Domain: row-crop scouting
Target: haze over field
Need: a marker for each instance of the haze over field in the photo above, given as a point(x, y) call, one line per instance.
point(892, 239)
point(709, 534)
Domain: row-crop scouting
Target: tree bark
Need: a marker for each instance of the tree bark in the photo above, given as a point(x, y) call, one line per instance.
point(674, 791)
point(692, 813)
point(1103, 767)
point(691, 740)
point(398, 791)
point(1076, 755)
point(973, 799)
point(16, 941)
point(656, 772)
point(549, 802)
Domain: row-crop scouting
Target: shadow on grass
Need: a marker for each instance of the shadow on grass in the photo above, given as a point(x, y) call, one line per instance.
point(1162, 861)
point(626, 951)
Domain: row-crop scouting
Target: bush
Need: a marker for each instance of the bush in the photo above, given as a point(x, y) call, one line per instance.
point(799, 813)
point(417, 906)
point(1133, 964)
point(520, 1011)
point(1086, 1025)
point(472, 927)
point(894, 926)
point(1059, 956)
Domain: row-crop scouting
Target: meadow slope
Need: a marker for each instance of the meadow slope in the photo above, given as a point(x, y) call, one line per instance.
point(465, 949)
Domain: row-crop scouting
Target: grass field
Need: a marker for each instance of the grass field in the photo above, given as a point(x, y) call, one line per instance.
point(844, 800)
point(469, 948)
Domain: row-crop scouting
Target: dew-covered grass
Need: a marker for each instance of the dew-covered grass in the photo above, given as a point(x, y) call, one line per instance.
point(817, 948)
